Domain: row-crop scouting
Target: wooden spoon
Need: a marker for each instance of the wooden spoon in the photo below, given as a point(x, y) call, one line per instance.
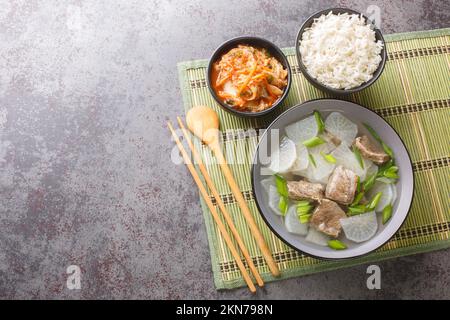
point(204, 123)
point(225, 213)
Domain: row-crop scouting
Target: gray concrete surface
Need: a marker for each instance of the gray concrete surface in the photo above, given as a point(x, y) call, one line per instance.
point(85, 173)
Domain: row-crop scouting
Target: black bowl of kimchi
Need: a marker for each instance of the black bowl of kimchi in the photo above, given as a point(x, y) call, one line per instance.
point(263, 84)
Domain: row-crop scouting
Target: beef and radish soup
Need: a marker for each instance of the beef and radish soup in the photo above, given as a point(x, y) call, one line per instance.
point(333, 180)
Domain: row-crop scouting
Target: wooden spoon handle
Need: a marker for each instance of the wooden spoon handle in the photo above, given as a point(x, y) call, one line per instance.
point(245, 210)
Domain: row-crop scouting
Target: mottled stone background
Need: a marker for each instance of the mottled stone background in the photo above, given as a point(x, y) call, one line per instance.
point(85, 173)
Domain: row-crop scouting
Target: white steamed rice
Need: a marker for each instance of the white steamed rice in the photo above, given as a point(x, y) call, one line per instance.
point(340, 51)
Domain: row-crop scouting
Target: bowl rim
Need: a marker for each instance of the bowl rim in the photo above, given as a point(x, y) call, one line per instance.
point(235, 41)
point(320, 85)
point(272, 229)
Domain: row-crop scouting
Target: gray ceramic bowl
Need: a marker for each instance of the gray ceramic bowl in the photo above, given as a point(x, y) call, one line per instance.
point(404, 186)
point(319, 85)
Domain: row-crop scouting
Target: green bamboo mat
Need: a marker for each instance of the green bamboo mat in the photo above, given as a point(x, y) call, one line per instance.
point(413, 95)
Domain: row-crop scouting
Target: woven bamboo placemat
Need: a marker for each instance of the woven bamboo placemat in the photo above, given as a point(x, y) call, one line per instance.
point(413, 95)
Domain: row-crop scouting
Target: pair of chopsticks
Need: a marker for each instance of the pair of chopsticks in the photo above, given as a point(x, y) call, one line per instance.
point(213, 210)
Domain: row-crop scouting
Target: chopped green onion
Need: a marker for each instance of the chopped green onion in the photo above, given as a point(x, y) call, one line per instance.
point(386, 165)
point(387, 213)
point(283, 205)
point(373, 204)
point(358, 184)
point(357, 209)
point(369, 182)
point(391, 172)
point(358, 157)
point(388, 170)
point(387, 149)
point(391, 175)
point(319, 121)
point(302, 203)
point(304, 218)
point(374, 134)
point(358, 198)
point(313, 142)
point(328, 157)
point(337, 245)
point(281, 185)
point(304, 210)
point(392, 169)
point(311, 158)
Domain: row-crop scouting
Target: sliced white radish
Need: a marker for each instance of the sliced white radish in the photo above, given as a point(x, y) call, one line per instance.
point(293, 224)
point(341, 127)
point(274, 200)
point(324, 147)
point(385, 180)
point(387, 194)
point(301, 163)
point(317, 237)
point(305, 173)
point(302, 130)
point(361, 227)
point(284, 157)
point(331, 139)
point(320, 172)
point(267, 182)
point(394, 193)
point(345, 157)
point(371, 169)
point(363, 173)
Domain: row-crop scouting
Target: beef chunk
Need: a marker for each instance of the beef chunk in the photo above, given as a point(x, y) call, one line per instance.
point(341, 185)
point(370, 151)
point(326, 217)
point(303, 190)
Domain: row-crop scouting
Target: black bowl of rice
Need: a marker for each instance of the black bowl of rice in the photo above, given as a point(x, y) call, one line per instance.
point(340, 51)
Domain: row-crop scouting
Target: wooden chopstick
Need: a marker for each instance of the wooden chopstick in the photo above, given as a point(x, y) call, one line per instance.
point(214, 213)
point(221, 205)
point(257, 235)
